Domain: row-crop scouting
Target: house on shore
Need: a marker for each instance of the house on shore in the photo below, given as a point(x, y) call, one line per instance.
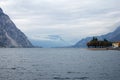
point(116, 44)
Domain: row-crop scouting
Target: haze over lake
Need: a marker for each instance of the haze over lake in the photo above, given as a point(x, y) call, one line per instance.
point(59, 64)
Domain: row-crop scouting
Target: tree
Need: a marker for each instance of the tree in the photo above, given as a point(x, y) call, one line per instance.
point(105, 40)
point(94, 39)
point(97, 43)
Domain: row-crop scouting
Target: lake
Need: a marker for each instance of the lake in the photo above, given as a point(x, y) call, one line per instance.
point(59, 64)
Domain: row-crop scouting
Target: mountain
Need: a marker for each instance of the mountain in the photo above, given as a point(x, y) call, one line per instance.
point(10, 35)
point(49, 41)
point(112, 36)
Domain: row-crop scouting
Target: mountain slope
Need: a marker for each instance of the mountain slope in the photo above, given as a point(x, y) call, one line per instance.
point(113, 36)
point(10, 35)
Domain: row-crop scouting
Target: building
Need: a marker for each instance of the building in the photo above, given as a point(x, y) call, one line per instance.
point(116, 44)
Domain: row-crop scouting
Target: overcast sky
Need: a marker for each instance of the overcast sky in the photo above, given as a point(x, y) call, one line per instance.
point(70, 19)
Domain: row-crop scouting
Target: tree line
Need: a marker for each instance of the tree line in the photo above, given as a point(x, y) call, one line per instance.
point(95, 43)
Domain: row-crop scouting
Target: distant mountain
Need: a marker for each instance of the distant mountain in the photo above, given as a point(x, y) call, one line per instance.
point(10, 35)
point(113, 36)
point(49, 41)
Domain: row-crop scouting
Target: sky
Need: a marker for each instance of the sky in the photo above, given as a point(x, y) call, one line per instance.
point(71, 20)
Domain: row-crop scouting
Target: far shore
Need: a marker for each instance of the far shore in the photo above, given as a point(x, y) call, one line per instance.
point(103, 48)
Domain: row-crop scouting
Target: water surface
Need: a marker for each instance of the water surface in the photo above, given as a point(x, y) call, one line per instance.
point(59, 64)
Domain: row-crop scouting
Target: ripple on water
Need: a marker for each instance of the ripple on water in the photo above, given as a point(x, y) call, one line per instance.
point(74, 78)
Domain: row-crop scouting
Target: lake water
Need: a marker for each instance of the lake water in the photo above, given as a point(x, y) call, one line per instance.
point(59, 64)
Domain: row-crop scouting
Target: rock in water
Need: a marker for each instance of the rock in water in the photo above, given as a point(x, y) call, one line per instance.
point(10, 35)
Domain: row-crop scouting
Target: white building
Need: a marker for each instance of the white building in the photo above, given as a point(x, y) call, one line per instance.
point(116, 44)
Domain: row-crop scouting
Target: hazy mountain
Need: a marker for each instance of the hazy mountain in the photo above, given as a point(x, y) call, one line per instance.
point(48, 41)
point(10, 35)
point(113, 36)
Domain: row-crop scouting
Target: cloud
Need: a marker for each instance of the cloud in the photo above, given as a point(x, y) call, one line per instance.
point(71, 19)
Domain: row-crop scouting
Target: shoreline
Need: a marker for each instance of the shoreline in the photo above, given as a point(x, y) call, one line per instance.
point(104, 49)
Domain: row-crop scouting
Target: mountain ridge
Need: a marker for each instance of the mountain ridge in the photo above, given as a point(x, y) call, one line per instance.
point(10, 35)
point(112, 36)
point(50, 41)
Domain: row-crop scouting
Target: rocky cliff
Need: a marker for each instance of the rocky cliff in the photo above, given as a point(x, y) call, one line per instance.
point(10, 35)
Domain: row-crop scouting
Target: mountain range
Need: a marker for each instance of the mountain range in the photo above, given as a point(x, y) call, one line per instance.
point(49, 41)
point(112, 36)
point(10, 35)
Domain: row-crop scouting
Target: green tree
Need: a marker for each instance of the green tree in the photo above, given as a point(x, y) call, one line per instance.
point(97, 43)
point(105, 40)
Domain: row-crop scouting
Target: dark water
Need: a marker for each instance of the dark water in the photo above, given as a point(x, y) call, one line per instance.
point(59, 64)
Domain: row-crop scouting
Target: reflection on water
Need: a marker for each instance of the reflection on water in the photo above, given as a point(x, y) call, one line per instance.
point(59, 64)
